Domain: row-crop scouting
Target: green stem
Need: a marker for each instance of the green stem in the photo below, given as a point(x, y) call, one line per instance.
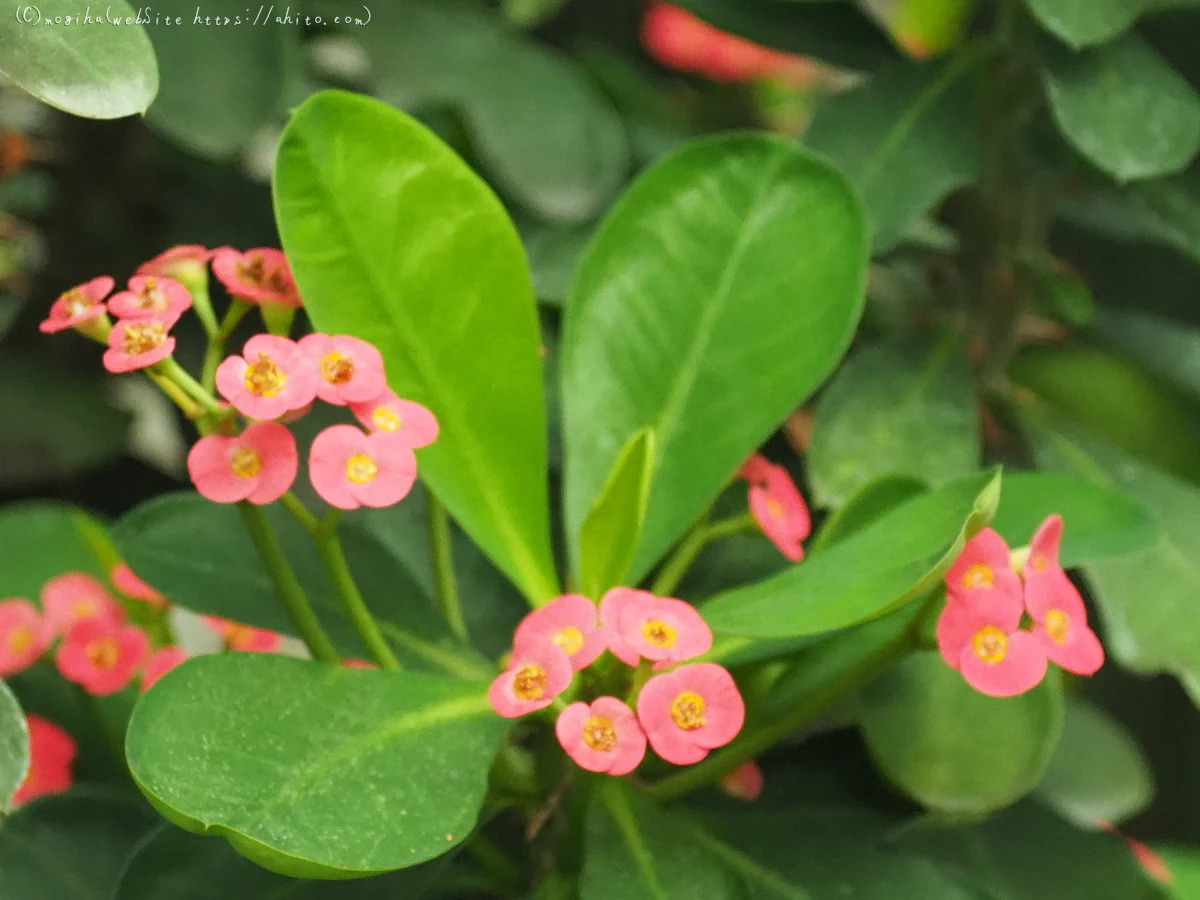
point(442, 561)
point(330, 548)
point(286, 585)
point(174, 371)
point(217, 339)
point(202, 303)
point(301, 512)
point(689, 548)
point(176, 394)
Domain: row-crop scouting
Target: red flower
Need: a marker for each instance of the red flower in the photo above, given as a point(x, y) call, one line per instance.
point(570, 621)
point(272, 377)
point(406, 422)
point(139, 343)
point(259, 276)
point(537, 673)
point(151, 295)
point(159, 663)
point(348, 370)
point(258, 466)
point(76, 597)
point(51, 752)
point(777, 506)
point(134, 588)
point(983, 564)
point(350, 469)
point(102, 657)
point(24, 636)
point(245, 638)
point(78, 306)
point(1056, 607)
point(979, 635)
point(603, 736)
point(687, 712)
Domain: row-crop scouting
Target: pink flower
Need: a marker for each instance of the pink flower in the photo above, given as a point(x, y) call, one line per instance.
point(350, 469)
point(979, 635)
point(569, 621)
point(24, 636)
point(101, 656)
point(244, 638)
point(129, 585)
point(358, 664)
point(348, 370)
point(75, 597)
point(138, 343)
point(745, 782)
point(536, 674)
point(663, 629)
point(159, 663)
point(260, 276)
point(259, 465)
point(687, 712)
point(151, 295)
point(185, 263)
point(612, 605)
point(272, 377)
point(755, 470)
point(780, 511)
point(409, 423)
point(982, 565)
point(51, 752)
point(1056, 607)
point(602, 737)
point(77, 306)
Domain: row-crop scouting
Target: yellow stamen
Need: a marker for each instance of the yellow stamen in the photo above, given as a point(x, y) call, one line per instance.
point(979, 576)
point(83, 609)
point(386, 419)
point(264, 378)
point(530, 682)
point(150, 297)
point(237, 635)
point(599, 734)
point(687, 711)
point(245, 462)
point(103, 653)
point(1039, 562)
point(20, 640)
point(142, 337)
point(337, 369)
point(570, 639)
point(360, 468)
point(990, 644)
point(255, 272)
point(1057, 625)
point(76, 302)
point(659, 633)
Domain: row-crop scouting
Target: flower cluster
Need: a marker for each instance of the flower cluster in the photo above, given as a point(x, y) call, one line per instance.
point(777, 505)
point(684, 711)
point(991, 593)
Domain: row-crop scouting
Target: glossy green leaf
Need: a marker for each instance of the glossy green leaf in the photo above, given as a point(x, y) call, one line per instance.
point(1081, 23)
point(45, 539)
point(879, 568)
point(902, 409)
point(1162, 210)
point(718, 294)
point(220, 84)
point(70, 846)
point(14, 746)
point(866, 505)
point(371, 205)
point(279, 755)
point(1184, 865)
point(181, 866)
point(906, 137)
point(952, 748)
point(198, 553)
point(1123, 108)
point(610, 533)
point(553, 256)
point(544, 133)
point(1098, 522)
point(101, 69)
point(1098, 773)
point(1169, 349)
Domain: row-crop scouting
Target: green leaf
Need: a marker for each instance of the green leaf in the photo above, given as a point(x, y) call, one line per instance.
point(718, 294)
point(14, 746)
point(952, 748)
point(1165, 347)
point(610, 532)
point(866, 505)
point(1081, 23)
point(877, 569)
point(181, 866)
point(1098, 773)
point(371, 205)
point(101, 69)
point(1164, 210)
point(543, 132)
point(1184, 863)
point(553, 255)
point(1098, 522)
point(899, 408)
point(220, 85)
point(906, 137)
point(44, 539)
point(198, 554)
point(312, 770)
point(70, 846)
point(1123, 107)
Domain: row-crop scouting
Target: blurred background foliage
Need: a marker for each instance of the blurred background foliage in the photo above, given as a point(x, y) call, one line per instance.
point(1069, 182)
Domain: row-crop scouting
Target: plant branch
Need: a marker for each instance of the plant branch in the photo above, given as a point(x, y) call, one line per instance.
point(216, 342)
point(689, 548)
point(442, 561)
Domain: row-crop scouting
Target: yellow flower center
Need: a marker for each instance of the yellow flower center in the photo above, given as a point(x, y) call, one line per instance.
point(237, 635)
point(245, 462)
point(83, 609)
point(150, 297)
point(142, 337)
point(687, 711)
point(599, 734)
point(1057, 625)
point(1039, 562)
point(570, 639)
point(990, 644)
point(20, 639)
point(254, 271)
point(337, 369)
point(530, 682)
point(979, 576)
point(360, 468)
point(76, 302)
point(264, 378)
point(386, 419)
point(659, 633)
point(774, 509)
point(103, 653)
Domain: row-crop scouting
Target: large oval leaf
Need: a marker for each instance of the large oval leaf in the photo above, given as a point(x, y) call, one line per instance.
point(313, 770)
point(101, 67)
point(1096, 21)
point(894, 559)
point(394, 240)
point(14, 746)
point(718, 294)
point(42, 540)
point(950, 747)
